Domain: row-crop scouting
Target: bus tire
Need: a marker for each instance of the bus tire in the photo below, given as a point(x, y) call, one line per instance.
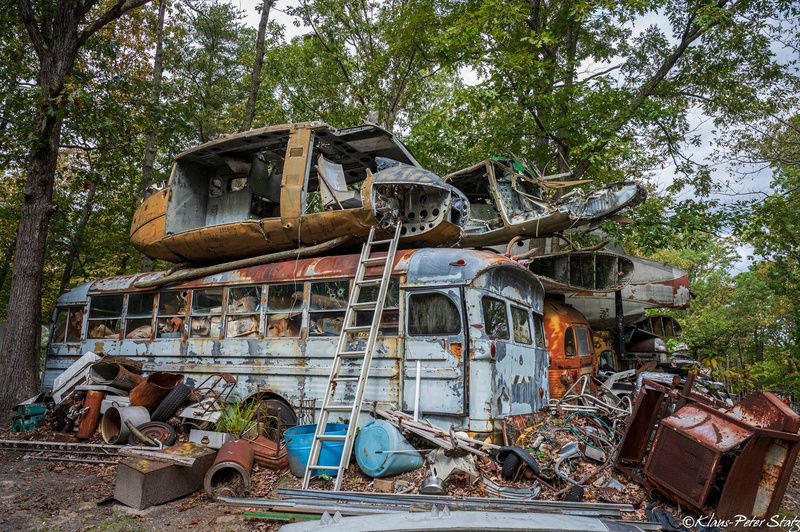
point(171, 403)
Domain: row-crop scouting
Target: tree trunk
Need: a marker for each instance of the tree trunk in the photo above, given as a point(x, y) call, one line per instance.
point(19, 372)
point(145, 263)
point(258, 64)
point(77, 238)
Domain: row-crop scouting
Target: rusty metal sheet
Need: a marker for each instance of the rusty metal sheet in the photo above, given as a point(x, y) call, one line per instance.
point(765, 410)
point(683, 466)
point(706, 428)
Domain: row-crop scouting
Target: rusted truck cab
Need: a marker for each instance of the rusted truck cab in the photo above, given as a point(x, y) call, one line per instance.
point(569, 341)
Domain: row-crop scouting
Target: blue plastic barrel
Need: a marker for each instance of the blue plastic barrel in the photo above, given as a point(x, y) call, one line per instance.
point(298, 448)
point(373, 449)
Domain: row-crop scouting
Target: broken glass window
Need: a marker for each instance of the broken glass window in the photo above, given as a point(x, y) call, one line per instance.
point(432, 314)
point(495, 319)
point(522, 326)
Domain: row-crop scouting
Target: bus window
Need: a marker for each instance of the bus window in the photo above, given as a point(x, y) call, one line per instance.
point(495, 319)
point(538, 330)
point(68, 325)
point(284, 309)
point(521, 324)
point(139, 317)
point(432, 314)
point(104, 316)
point(244, 305)
point(171, 314)
point(569, 343)
point(206, 313)
point(391, 307)
point(583, 341)
point(327, 304)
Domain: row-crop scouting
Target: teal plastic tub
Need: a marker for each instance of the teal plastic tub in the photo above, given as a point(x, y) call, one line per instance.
point(377, 447)
point(298, 448)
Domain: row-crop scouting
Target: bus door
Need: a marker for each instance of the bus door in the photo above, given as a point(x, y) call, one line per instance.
point(508, 327)
point(435, 337)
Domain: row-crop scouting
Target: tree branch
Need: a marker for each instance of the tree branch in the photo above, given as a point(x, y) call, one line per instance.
point(31, 26)
point(119, 8)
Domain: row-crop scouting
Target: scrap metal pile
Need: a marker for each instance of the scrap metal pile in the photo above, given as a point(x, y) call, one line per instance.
point(591, 454)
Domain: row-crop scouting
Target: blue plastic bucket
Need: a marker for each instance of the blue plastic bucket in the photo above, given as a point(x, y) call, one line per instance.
point(298, 448)
point(373, 449)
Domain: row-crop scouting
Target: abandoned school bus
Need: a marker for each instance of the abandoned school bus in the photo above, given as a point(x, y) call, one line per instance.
point(472, 319)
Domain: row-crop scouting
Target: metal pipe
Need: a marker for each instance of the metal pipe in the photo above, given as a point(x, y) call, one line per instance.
point(416, 393)
point(405, 498)
point(78, 460)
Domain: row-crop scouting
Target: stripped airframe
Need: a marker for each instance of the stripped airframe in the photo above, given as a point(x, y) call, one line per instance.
point(280, 187)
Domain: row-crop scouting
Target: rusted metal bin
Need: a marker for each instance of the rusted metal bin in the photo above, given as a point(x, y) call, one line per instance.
point(91, 418)
point(737, 460)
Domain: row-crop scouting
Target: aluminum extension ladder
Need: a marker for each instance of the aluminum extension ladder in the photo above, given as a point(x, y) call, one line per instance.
point(343, 353)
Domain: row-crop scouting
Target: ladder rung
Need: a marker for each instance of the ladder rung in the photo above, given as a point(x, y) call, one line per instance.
point(370, 282)
point(358, 328)
point(324, 467)
point(381, 242)
point(345, 379)
point(366, 305)
point(374, 260)
point(339, 408)
point(352, 354)
point(332, 437)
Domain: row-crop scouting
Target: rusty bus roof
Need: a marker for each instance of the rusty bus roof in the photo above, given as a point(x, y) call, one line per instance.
point(422, 267)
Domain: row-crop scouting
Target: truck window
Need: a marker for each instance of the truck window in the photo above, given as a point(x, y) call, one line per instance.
point(538, 330)
point(244, 306)
point(171, 314)
point(206, 315)
point(327, 303)
point(105, 313)
point(391, 307)
point(583, 341)
point(432, 314)
point(495, 319)
point(522, 325)
point(284, 310)
point(139, 317)
point(569, 343)
point(68, 325)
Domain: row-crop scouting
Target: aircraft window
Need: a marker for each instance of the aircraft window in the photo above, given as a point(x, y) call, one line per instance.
point(244, 304)
point(104, 316)
point(495, 319)
point(432, 314)
point(569, 343)
point(284, 310)
point(139, 316)
point(522, 325)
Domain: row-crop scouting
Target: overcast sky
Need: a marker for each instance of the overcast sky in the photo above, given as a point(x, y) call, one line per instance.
point(701, 124)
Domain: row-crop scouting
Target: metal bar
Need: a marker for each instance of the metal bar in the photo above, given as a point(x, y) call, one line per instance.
point(301, 507)
point(11, 445)
point(407, 498)
point(63, 459)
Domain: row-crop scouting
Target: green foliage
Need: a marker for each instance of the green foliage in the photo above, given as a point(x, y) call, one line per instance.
point(237, 418)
